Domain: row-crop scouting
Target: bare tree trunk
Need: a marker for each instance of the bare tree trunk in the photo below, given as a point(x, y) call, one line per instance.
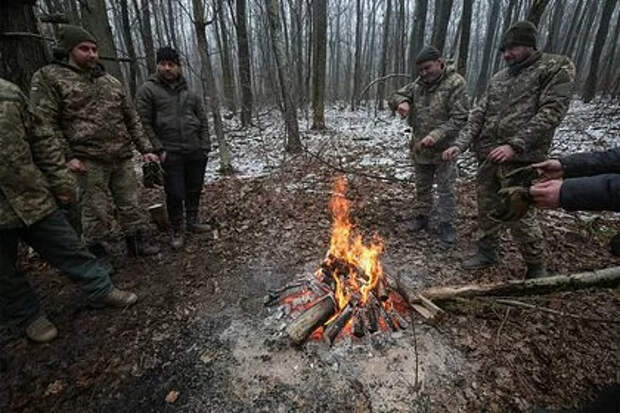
point(599, 42)
point(209, 81)
point(536, 11)
point(293, 143)
point(319, 57)
point(416, 41)
point(508, 20)
point(21, 56)
point(95, 19)
point(173, 29)
point(384, 53)
point(227, 75)
point(582, 47)
point(357, 75)
point(147, 35)
point(131, 51)
point(555, 28)
point(443, 8)
point(574, 28)
point(243, 51)
point(488, 44)
point(608, 77)
point(464, 38)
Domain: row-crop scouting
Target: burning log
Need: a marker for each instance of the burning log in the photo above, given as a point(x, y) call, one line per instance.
point(402, 323)
point(381, 291)
point(384, 313)
point(358, 323)
point(273, 295)
point(299, 330)
point(333, 328)
point(371, 314)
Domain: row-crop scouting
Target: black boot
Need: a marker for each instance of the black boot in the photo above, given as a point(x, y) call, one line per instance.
point(447, 236)
point(177, 240)
point(535, 270)
point(482, 259)
point(137, 245)
point(99, 251)
point(419, 223)
point(194, 226)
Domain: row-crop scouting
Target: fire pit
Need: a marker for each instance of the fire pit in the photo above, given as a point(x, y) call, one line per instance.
point(348, 295)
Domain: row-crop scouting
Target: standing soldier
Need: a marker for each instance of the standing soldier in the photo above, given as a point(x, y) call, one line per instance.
point(511, 127)
point(88, 110)
point(436, 106)
point(175, 120)
point(33, 175)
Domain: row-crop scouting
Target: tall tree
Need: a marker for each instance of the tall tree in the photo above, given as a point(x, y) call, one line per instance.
point(599, 42)
point(293, 143)
point(147, 34)
point(464, 36)
point(95, 20)
point(441, 18)
point(228, 80)
point(209, 84)
point(536, 11)
point(243, 61)
point(171, 22)
point(488, 45)
point(357, 69)
point(22, 53)
point(131, 51)
point(508, 20)
point(416, 40)
point(319, 58)
point(384, 53)
point(555, 28)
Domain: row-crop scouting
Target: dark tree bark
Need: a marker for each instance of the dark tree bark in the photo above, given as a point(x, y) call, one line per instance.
point(131, 51)
point(488, 45)
point(319, 58)
point(357, 70)
point(574, 28)
point(555, 28)
point(21, 56)
point(508, 20)
point(443, 8)
point(293, 143)
point(612, 57)
point(536, 11)
point(599, 42)
point(147, 35)
point(171, 22)
point(243, 57)
point(464, 37)
point(228, 80)
point(384, 54)
point(416, 41)
point(582, 47)
point(95, 19)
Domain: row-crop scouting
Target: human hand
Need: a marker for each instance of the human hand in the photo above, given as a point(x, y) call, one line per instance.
point(546, 194)
point(76, 166)
point(549, 169)
point(150, 157)
point(451, 153)
point(427, 141)
point(403, 109)
point(162, 156)
point(501, 154)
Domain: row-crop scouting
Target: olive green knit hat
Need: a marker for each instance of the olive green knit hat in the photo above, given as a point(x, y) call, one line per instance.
point(70, 36)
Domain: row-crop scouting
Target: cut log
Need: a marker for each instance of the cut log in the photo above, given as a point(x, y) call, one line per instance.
point(424, 312)
point(381, 291)
point(358, 323)
point(299, 329)
point(430, 306)
point(402, 323)
point(371, 315)
point(605, 278)
point(384, 313)
point(333, 328)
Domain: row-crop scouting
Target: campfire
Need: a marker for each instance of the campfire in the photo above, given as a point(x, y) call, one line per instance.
point(348, 294)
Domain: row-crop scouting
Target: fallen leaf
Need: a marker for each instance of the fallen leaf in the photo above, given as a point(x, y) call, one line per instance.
point(172, 396)
point(54, 388)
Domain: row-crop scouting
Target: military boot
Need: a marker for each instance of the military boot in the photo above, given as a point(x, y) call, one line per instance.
point(138, 245)
point(447, 236)
point(41, 330)
point(535, 270)
point(115, 298)
point(177, 240)
point(419, 223)
point(195, 227)
point(482, 259)
point(99, 251)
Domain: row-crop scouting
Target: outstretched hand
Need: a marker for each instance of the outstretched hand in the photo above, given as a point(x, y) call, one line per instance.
point(549, 169)
point(546, 194)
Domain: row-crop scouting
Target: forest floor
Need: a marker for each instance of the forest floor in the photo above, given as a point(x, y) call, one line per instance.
point(201, 336)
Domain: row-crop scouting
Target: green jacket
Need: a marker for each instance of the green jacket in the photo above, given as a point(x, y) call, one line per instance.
point(521, 107)
point(438, 109)
point(173, 116)
point(32, 167)
point(88, 111)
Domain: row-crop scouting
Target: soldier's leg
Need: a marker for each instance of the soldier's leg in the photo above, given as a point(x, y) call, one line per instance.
point(174, 185)
point(97, 213)
point(194, 182)
point(446, 204)
point(17, 299)
point(528, 234)
point(424, 174)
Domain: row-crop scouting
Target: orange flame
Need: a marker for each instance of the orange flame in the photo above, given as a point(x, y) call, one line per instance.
point(346, 245)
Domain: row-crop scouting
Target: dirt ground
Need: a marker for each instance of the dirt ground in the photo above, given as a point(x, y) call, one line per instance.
point(201, 329)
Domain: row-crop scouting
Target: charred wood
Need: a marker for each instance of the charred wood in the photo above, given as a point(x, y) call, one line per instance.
point(299, 330)
point(333, 328)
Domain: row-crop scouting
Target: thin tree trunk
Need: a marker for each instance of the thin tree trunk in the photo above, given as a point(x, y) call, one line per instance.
point(357, 75)
point(608, 78)
point(319, 57)
point(243, 57)
point(147, 35)
point(416, 41)
point(536, 11)
point(131, 51)
point(574, 28)
point(464, 38)
point(488, 45)
point(171, 22)
point(227, 75)
point(384, 54)
point(599, 42)
point(443, 8)
point(95, 20)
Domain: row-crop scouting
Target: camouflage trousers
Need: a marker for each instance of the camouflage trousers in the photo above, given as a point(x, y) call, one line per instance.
point(110, 196)
point(444, 175)
point(526, 231)
point(55, 241)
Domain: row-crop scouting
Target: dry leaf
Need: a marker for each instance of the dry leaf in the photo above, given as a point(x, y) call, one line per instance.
point(172, 396)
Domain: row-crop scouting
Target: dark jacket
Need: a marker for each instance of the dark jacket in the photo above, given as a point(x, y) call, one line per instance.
point(173, 116)
point(592, 181)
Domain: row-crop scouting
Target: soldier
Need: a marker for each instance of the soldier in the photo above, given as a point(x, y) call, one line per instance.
point(436, 106)
point(32, 175)
point(175, 121)
point(511, 127)
point(88, 110)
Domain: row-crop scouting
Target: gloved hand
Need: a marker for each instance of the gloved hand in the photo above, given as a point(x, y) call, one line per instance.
point(152, 175)
point(515, 201)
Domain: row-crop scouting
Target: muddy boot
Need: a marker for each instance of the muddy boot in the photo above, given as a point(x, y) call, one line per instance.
point(115, 298)
point(177, 240)
point(535, 270)
point(41, 330)
point(447, 236)
point(138, 245)
point(482, 259)
point(195, 227)
point(419, 223)
point(99, 251)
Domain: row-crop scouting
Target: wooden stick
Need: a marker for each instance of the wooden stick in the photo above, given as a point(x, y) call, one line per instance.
point(331, 331)
point(358, 323)
point(299, 330)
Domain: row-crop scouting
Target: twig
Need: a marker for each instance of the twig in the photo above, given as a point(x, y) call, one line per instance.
point(516, 303)
point(382, 79)
point(501, 326)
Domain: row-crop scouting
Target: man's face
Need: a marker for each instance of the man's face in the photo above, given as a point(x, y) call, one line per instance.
point(168, 70)
point(85, 55)
point(516, 54)
point(430, 70)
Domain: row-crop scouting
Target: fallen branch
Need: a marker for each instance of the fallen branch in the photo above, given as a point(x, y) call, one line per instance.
point(514, 303)
point(382, 79)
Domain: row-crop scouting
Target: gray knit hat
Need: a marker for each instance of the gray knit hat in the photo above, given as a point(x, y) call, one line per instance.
point(522, 33)
point(426, 54)
point(70, 36)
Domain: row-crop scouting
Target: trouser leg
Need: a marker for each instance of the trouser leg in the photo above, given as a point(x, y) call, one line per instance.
point(97, 211)
point(194, 181)
point(174, 185)
point(424, 174)
point(124, 189)
point(529, 236)
point(446, 182)
point(488, 199)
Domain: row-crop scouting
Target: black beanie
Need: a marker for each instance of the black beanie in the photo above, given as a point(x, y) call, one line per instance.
point(169, 54)
point(70, 36)
point(522, 33)
point(426, 54)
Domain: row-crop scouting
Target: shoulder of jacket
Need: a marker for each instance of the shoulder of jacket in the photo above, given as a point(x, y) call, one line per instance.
point(10, 90)
point(556, 61)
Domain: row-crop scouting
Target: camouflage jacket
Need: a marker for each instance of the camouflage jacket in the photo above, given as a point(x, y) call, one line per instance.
point(88, 111)
point(438, 109)
point(32, 167)
point(521, 107)
point(173, 116)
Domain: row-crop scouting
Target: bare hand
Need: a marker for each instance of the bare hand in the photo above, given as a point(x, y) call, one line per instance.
point(427, 141)
point(162, 156)
point(549, 169)
point(150, 157)
point(451, 153)
point(501, 154)
point(76, 166)
point(403, 109)
point(546, 194)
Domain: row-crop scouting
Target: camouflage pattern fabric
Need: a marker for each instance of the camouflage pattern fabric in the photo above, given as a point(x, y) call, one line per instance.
point(106, 186)
point(88, 111)
point(445, 176)
point(32, 167)
point(439, 109)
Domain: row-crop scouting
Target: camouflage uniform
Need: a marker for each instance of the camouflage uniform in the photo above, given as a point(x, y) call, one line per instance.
point(439, 110)
point(97, 123)
point(521, 107)
point(32, 173)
